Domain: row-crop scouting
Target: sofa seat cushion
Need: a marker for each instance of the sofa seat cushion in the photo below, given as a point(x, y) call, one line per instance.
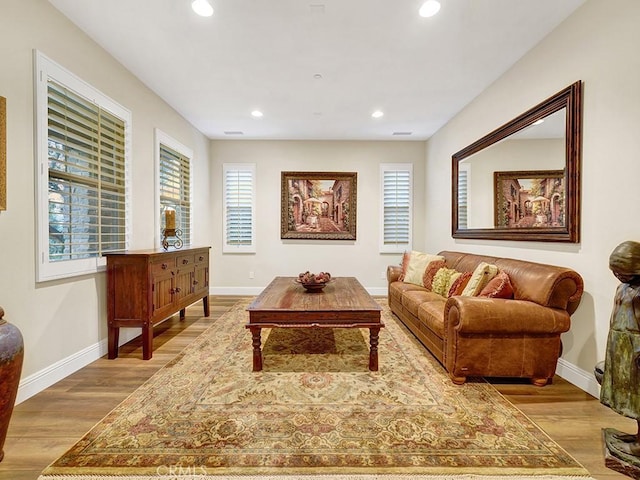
point(397, 289)
point(412, 299)
point(432, 315)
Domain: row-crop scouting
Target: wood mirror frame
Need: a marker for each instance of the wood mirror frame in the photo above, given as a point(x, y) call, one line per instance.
point(570, 99)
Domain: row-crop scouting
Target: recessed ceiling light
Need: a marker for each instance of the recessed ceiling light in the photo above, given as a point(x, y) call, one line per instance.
point(317, 76)
point(377, 114)
point(202, 8)
point(429, 8)
point(256, 113)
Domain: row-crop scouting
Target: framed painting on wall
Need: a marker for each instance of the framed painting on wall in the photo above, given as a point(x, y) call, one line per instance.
point(3, 153)
point(529, 199)
point(318, 205)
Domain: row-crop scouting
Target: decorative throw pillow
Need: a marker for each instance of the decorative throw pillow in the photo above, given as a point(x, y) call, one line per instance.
point(452, 280)
point(442, 281)
point(405, 263)
point(480, 277)
point(430, 273)
point(498, 287)
point(459, 284)
point(418, 263)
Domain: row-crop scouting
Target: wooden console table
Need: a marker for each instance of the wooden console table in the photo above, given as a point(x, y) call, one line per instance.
point(145, 287)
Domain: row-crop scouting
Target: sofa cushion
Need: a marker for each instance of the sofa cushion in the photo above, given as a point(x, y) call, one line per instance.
point(418, 263)
point(430, 273)
point(480, 277)
point(412, 299)
point(396, 289)
point(432, 315)
point(498, 287)
point(405, 263)
point(458, 286)
point(443, 280)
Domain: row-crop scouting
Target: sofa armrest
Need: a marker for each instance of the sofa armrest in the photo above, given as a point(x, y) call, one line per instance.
point(393, 273)
point(478, 315)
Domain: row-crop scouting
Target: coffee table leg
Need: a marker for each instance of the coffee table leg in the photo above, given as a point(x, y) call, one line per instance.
point(373, 348)
point(257, 353)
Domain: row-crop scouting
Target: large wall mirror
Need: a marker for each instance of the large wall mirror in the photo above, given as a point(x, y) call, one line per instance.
point(522, 181)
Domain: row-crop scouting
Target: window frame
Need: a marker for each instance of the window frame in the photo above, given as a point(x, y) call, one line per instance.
point(231, 248)
point(395, 247)
point(162, 138)
point(464, 170)
point(45, 69)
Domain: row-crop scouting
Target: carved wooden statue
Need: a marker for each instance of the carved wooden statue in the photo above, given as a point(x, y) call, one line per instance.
point(621, 379)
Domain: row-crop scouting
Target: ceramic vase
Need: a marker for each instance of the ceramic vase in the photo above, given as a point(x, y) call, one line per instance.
point(11, 355)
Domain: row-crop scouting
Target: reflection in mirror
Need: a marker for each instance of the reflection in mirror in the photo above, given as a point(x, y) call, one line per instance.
point(537, 147)
point(520, 182)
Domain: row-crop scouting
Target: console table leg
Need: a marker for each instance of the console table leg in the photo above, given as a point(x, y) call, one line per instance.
point(257, 353)
point(205, 303)
point(147, 341)
point(373, 351)
point(183, 313)
point(112, 343)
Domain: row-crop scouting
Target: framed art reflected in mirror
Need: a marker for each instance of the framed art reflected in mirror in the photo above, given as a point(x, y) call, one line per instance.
point(3, 153)
point(529, 199)
point(543, 143)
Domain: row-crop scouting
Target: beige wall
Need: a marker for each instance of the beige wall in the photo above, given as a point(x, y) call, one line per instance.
point(60, 320)
point(274, 256)
point(598, 45)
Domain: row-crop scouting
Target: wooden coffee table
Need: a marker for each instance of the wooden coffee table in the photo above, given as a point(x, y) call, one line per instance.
point(343, 303)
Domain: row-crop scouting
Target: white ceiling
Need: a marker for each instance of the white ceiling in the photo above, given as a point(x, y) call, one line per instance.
point(371, 54)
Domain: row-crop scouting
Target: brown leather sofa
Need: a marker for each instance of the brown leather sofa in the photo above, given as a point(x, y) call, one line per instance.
point(492, 337)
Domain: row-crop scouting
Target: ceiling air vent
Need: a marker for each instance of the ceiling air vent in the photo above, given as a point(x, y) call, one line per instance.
point(402, 133)
point(233, 132)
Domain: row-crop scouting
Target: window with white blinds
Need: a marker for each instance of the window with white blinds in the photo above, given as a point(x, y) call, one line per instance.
point(174, 182)
point(239, 208)
point(82, 142)
point(396, 192)
point(463, 194)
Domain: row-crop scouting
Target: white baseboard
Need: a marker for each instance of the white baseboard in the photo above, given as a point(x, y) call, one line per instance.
point(46, 377)
point(582, 379)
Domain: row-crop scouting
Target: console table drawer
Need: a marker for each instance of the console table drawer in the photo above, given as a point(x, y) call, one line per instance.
point(184, 260)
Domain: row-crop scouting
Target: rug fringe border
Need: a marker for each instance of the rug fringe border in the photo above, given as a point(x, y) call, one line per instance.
point(318, 477)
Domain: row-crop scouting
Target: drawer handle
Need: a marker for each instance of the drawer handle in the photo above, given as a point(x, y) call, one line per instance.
point(175, 290)
point(195, 282)
point(200, 259)
point(164, 266)
point(185, 261)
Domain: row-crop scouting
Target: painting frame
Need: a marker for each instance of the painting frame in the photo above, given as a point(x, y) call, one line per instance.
point(530, 199)
point(3, 153)
point(318, 205)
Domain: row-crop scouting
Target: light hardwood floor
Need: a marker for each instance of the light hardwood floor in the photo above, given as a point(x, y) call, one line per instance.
point(46, 425)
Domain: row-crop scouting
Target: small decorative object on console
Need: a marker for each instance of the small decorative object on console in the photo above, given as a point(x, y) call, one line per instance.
point(314, 282)
point(171, 218)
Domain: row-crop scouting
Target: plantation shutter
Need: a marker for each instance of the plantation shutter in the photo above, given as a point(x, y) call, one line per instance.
point(239, 208)
point(462, 198)
point(396, 201)
point(175, 188)
point(86, 177)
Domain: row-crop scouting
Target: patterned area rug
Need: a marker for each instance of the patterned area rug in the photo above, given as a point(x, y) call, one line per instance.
point(315, 408)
